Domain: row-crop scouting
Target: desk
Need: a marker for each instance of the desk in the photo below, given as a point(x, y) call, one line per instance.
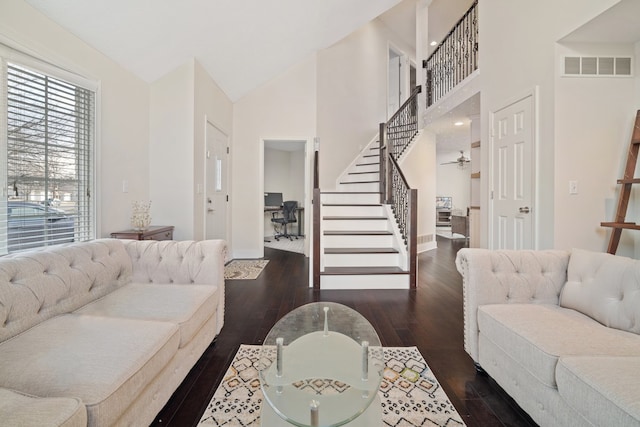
point(299, 215)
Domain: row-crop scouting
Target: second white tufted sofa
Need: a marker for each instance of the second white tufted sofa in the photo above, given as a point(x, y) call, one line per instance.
point(558, 331)
point(101, 333)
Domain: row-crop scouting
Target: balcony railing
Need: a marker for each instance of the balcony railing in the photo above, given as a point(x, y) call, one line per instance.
point(455, 58)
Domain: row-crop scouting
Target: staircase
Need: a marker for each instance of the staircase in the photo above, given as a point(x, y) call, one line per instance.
point(359, 244)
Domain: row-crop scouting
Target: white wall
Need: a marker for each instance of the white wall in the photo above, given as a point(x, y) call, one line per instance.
point(417, 167)
point(284, 108)
point(123, 132)
point(456, 183)
point(171, 151)
point(593, 124)
point(213, 105)
point(352, 96)
point(181, 103)
point(515, 58)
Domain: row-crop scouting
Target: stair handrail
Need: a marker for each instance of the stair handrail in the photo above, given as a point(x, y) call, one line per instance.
point(316, 222)
point(404, 204)
point(395, 136)
point(455, 58)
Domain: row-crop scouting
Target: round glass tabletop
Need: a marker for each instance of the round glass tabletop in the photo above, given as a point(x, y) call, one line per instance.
point(321, 364)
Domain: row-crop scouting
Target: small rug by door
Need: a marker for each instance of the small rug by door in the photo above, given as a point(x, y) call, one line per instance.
point(244, 269)
point(409, 392)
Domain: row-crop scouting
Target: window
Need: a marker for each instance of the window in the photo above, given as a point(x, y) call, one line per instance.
point(47, 144)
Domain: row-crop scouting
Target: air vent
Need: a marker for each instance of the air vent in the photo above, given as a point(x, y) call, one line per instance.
point(592, 66)
point(425, 238)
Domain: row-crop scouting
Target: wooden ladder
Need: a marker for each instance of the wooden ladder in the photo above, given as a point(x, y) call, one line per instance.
point(627, 181)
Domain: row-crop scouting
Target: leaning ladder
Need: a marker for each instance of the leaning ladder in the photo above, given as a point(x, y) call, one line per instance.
point(627, 181)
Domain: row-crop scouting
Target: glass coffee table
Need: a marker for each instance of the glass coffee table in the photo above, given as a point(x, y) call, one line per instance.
point(321, 365)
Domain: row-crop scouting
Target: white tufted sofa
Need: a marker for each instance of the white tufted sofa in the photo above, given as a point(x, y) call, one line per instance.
point(101, 333)
point(558, 331)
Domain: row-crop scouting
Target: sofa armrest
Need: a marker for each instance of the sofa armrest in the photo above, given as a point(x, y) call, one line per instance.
point(180, 262)
point(507, 277)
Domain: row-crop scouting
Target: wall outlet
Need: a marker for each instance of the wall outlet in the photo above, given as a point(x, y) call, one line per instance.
point(125, 186)
point(573, 187)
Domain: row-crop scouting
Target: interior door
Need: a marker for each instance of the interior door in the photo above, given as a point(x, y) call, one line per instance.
point(512, 136)
point(216, 202)
point(394, 86)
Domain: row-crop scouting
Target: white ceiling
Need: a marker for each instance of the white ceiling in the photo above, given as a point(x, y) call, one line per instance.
point(618, 24)
point(241, 43)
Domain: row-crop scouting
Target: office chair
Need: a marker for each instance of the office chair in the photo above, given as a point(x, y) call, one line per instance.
point(288, 216)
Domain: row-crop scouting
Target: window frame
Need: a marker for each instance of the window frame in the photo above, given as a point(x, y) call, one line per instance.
point(9, 54)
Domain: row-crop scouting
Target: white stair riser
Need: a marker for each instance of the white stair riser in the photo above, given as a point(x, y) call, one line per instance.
point(371, 281)
point(361, 260)
point(354, 225)
point(352, 211)
point(375, 168)
point(350, 198)
point(360, 177)
point(353, 241)
point(371, 186)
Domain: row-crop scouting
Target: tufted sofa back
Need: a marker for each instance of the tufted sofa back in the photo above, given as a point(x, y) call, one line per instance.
point(605, 287)
point(37, 285)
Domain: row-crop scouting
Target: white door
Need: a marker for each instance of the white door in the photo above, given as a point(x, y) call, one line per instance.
point(216, 183)
point(512, 137)
point(394, 88)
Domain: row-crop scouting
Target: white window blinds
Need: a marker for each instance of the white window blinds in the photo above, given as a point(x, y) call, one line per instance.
point(48, 145)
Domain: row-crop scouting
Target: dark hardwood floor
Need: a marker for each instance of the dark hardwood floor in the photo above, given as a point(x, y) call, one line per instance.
point(429, 317)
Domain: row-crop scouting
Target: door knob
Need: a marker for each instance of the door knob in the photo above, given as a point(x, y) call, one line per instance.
point(210, 210)
point(525, 209)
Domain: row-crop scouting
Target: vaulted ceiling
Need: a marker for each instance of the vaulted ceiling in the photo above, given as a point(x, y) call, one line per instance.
point(241, 43)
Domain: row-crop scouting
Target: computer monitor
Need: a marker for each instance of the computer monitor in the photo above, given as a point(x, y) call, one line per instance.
point(272, 199)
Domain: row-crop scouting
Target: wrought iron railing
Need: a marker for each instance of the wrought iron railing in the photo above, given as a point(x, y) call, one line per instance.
point(403, 125)
point(455, 58)
point(395, 136)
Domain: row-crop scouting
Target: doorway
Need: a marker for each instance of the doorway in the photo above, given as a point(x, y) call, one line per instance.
point(216, 183)
point(287, 177)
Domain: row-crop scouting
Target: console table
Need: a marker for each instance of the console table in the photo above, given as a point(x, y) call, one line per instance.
point(154, 232)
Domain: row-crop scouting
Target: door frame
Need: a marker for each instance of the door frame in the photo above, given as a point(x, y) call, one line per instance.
point(308, 191)
point(403, 75)
point(227, 178)
point(535, 127)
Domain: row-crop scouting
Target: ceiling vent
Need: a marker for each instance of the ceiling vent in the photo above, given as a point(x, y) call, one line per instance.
point(593, 66)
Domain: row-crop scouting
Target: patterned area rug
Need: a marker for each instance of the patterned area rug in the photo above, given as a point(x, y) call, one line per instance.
point(244, 269)
point(410, 394)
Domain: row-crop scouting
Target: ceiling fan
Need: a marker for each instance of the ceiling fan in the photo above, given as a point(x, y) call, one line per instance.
point(460, 161)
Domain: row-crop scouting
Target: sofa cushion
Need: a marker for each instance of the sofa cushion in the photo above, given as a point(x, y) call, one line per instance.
point(189, 306)
point(40, 284)
point(536, 335)
point(605, 287)
point(18, 409)
point(106, 362)
point(606, 390)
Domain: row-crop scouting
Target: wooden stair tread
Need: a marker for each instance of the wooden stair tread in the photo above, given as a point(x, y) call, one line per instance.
point(334, 271)
point(350, 192)
point(361, 182)
point(367, 164)
point(357, 233)
point(356, 218)
point(360, 251)
point(360, 173)
point(352, 204)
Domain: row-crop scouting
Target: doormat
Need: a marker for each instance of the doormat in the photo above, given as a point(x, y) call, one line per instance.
point(409, 393)
point(244, 269)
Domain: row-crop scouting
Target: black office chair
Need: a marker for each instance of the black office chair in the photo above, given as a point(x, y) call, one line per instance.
point(288, 216)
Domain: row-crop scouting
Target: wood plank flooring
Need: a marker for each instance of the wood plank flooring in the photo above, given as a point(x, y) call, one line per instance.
point(429, 317)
